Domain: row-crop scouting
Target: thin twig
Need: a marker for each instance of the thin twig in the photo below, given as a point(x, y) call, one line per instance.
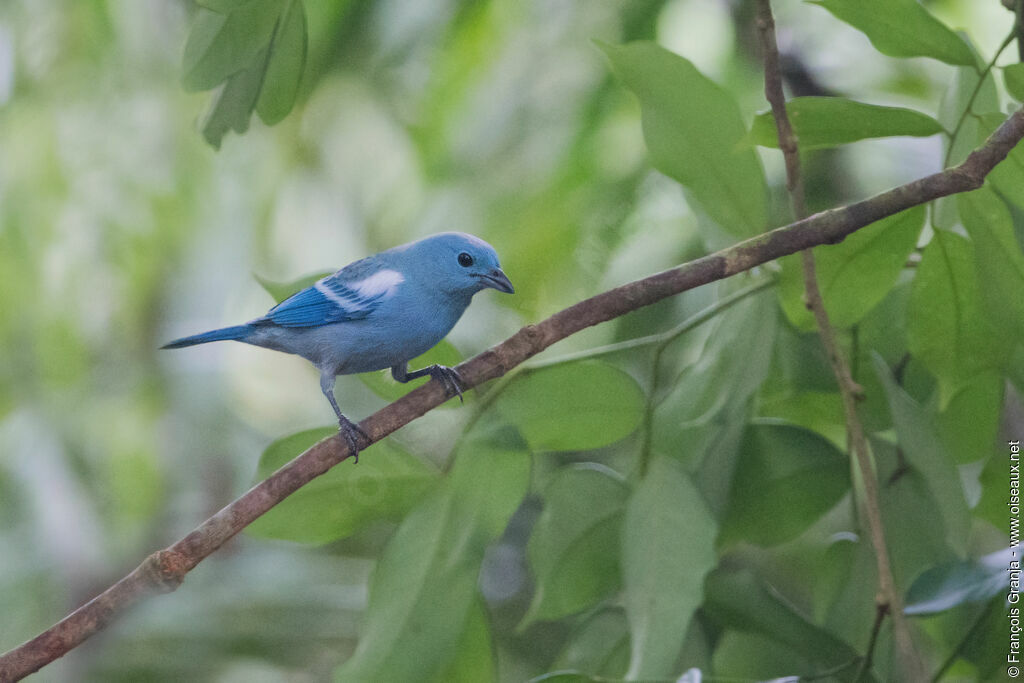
point(881, 609)
point(982, 75)
point(1020, 30)
point(849, 390)
point(165, 570)
point(660, 338)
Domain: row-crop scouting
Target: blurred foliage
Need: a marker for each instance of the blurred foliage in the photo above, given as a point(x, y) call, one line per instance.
point(665, 496)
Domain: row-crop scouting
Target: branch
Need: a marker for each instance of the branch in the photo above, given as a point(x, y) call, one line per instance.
point(164, 570)
point(891, 600)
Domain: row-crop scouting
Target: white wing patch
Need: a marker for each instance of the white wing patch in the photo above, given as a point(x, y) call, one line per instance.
point(333, 296)
point(381, 283)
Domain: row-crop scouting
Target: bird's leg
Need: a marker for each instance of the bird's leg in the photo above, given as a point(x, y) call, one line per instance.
point(348, 429)
point(448, 378)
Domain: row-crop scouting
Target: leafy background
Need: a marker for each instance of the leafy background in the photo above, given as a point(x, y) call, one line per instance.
point(682, 502)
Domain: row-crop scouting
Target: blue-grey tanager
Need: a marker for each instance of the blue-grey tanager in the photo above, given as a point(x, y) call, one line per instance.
point(378, 312)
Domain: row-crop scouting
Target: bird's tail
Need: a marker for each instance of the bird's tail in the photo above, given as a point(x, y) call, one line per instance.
point(236, 332)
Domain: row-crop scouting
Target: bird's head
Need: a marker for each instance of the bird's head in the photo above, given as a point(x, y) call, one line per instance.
point(461, 263)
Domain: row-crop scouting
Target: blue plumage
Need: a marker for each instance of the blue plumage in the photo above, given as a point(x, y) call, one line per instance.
point(223, 334)
point(376, 313)
point(328, 301)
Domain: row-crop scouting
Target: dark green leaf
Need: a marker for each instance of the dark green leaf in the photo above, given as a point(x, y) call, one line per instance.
point(995, 494)
point(574, 546)
point(386, 484)
point(475, 656)
point(222, 6)
point(902, 28)
point(914, 520)
point(925, 452)
point(968, 424)
point(284, 68)
point(983, 645)
point(600, 645)
point(786, 478)
point(946, 328)
point(741, 601)
point(1014, 77)
point(821, 412)
point(954, 583)
point(424, 588)
point(755, 657)
point(998, 260)
point(220, 46)
point(232, 105)
point(854, 275)
point(694, 134)
point(282, 290)
point(387, 388)
point(714, 389)
point(574, 406)
point(822, 122)
point(667, 548)
point(566, 676)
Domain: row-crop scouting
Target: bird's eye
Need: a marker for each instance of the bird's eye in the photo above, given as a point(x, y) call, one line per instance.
point(465, 260)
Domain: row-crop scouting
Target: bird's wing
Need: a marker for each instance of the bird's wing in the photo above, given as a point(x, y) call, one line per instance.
point(352, 293)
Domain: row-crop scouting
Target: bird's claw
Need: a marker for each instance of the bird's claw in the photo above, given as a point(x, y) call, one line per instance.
point(449, 379)
point(352, 433)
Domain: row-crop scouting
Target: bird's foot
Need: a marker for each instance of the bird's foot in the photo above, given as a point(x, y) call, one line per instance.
point(449, 379)
point(352, 433)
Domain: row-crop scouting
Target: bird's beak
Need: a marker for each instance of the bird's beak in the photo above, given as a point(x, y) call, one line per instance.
point(496, 279)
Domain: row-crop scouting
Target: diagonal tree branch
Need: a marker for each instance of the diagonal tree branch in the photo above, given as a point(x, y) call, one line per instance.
point(889, 599)
point(164, 570)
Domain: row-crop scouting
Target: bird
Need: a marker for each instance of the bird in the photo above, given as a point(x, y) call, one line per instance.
point(376, 313)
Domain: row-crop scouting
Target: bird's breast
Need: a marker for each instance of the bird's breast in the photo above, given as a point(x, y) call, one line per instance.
point(395, 333)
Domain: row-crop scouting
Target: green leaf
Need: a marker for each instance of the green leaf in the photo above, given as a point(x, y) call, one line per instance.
point(902, 28)
point(254, 51)
point(713, 390)
point(221, 45)
point(995, 494)
point(946, 328)
point(954, 583)
point(282, 290)
point(998, 260)
point(924, 451)
point(963, 94)
point(573, 549)
point(968, 424)
point(574, 406)
point(385, 485)
point(754, 657)
point(823, 122)
point(739, 600)
point(1008, 175)
point(786, 478)
point(284, 68)
point(567, 676)
point(600, 644)
point(222, 6)
point(855, 275)
point(424, 589)
point(475, 656)
point(232, 106)
point(694, 134)
point(1014, 78)
point(819, 411)
point(667, 548)
point(387, 388)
